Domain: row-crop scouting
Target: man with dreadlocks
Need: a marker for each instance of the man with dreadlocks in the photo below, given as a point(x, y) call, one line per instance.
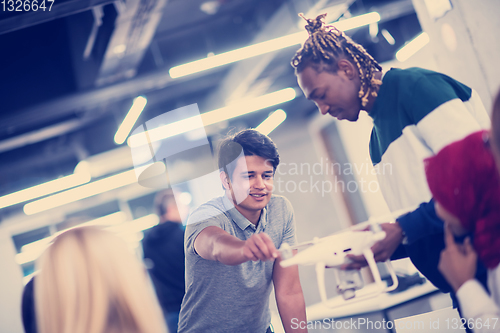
point(415, 113)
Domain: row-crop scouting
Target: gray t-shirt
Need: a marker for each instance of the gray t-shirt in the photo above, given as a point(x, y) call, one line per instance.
point(235, 299)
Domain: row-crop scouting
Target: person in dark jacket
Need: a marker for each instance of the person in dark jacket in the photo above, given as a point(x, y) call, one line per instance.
point(28, 308)
point(163, 248)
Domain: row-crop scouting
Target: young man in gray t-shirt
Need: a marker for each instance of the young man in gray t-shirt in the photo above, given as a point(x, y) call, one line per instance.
point(230, 246)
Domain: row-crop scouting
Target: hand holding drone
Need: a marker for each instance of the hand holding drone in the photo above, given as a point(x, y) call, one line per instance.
point(332, 251)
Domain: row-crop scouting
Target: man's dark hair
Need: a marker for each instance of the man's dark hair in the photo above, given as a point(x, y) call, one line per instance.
point(252, 143)
point(162, 200)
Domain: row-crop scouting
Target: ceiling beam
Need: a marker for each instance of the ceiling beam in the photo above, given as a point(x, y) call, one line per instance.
point(92, 102)
point(57, 11)
point(134, 29)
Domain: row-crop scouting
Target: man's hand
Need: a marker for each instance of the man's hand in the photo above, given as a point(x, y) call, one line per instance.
point(213, 243)
point(259, 247)
point(382, 250)
point(457, 262)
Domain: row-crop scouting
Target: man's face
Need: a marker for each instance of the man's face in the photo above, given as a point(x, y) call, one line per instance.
point(334, 93)
point(252, 184)
point(455, 224)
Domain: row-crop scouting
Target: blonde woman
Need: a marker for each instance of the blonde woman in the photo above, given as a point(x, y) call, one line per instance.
point(90, 282)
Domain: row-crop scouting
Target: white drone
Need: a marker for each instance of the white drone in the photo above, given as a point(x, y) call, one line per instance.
point(331, 251)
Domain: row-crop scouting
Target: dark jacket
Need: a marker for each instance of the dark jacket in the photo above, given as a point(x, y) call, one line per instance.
point(28, 308)
point(163, 245)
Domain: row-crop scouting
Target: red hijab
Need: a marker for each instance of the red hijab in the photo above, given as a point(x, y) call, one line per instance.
point(464, 179)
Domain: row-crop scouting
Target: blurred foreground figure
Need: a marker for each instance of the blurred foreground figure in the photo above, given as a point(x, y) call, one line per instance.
point(465, 183)
point(89, 281)
point(163, 247)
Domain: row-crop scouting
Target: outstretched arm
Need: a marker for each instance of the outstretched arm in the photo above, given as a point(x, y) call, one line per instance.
point(289, 297)
point(213, 243)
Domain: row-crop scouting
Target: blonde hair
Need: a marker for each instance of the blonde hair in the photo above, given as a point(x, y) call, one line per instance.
point(91, 282)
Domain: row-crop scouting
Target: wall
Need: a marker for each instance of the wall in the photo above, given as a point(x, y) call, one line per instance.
point(10, 286)
point(465, 44)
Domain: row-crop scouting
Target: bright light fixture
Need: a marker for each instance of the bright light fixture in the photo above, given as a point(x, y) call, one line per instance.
point(81, 192)
point(271, 122)
point(412, 47)
point(373, 30)
point(136, 225)
point(116, 222)
point(388, 37)
point(357, 21)
point(107, 220)
point(130, 119)
point(212, 117)
point(264, 47)
point(80, 176)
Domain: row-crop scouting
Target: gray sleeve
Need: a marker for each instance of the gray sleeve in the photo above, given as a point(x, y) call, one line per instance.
point(289, 236)
point(201, 218)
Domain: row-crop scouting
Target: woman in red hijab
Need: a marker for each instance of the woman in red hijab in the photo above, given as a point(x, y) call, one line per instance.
point(465, 184)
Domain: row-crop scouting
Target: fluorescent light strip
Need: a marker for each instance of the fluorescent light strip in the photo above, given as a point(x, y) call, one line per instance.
point(82, 192)
point(80, 176)
point(264, 47)
point(412, 47)
point(136, 225)
point(388, 37)
point(373, 30)
point(30, 252)
point(212, 117)
point(271, 122)
point(237, 55)
point(130, 119)
point(357, 21)
point(107, 220)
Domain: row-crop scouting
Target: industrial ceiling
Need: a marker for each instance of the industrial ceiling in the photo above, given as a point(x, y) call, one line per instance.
point(68, 76)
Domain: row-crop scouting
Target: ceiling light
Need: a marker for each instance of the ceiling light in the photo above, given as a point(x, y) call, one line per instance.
point(115, 222)
point(264, 47)
point(412, 47)
point(271, 122)
point(136, 225)
point(81, 192)
point(210, 7)
point(357, 21)
point(80, 176)
point(373, 30)
point(130, 119)
point(388, 37)
point(119, 48)
point(208, 118)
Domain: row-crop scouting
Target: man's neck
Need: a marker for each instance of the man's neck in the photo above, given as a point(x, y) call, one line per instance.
point(252, 216)
point(371, 99)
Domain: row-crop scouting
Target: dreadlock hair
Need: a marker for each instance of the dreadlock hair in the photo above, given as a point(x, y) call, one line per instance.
point(327, 44)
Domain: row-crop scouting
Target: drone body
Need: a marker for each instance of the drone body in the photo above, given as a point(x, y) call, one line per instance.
point(332, 251)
